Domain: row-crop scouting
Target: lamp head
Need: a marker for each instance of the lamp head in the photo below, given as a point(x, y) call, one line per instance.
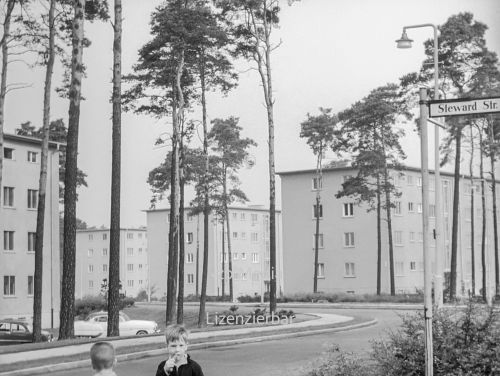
point(404, 41)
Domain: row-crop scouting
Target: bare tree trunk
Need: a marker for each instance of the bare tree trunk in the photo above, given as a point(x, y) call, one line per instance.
point(180, 292)
point(114, 233)
point(472, 221)
point(229, 257)
point(67, 314)
point(494, 199)
point(223, 263)
point(379, 238)
point(389, 233)
point(483, 223)
point(197, 293)
point(316, 242)
point(42, 187)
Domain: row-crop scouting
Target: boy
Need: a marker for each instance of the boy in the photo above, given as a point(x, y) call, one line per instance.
point(178, 362)
point(102, 355)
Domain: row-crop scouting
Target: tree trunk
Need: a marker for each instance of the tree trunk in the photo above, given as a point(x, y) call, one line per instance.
point(229, 257)
point(472, 221)
point(223, 262)
point(114, 233)
point(379, 238)
point(206, 208)
point(316, 242)
point(494, 199)
point(197, 293)
point(456, 202)
point(483, 222)
point(67, 314)
point(42, 187)
point(3, 82)
point(180, 292)
point(389, 232)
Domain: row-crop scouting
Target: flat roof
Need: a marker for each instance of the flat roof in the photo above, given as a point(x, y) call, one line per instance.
point(30, 140)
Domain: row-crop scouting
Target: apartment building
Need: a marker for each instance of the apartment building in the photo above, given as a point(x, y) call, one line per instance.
point(249, 237)
point(348, 234)
point(18, 212)
point(92, 261)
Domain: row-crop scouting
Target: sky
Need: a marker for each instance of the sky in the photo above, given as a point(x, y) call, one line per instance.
point(332, 54)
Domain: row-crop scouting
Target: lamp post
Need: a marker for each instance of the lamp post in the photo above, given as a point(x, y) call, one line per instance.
point(405, 42)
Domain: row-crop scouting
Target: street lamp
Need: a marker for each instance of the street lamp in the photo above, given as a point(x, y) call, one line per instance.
point(405, 42)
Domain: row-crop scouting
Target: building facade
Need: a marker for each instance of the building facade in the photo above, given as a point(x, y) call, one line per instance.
point(249, 237)
point(18, 213)
point(348, 234)
point(92, 261)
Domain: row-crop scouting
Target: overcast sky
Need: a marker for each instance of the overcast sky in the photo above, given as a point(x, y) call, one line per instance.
point(333, 53)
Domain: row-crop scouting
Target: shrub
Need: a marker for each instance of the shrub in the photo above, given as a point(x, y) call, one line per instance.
point(415, 297)
point(339, 363)
point(97, 303)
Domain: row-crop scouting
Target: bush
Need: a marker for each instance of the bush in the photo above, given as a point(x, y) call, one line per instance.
point(338, 363)
point(97, 303)
point(415, 297)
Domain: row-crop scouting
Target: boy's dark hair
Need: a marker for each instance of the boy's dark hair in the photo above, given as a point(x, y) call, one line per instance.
point(102, 355)
point(176, 332)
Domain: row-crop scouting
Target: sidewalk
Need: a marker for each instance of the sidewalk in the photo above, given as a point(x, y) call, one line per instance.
point(322, 323)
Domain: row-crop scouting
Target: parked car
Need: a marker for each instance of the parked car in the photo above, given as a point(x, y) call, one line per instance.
point(88, 329)
point(19, 331)
point(127, 326)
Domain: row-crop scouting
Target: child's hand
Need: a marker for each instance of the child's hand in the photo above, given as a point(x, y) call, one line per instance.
point(169, 365)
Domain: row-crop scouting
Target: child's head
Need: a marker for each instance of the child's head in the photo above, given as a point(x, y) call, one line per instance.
point(176, 337)
point(102, 355)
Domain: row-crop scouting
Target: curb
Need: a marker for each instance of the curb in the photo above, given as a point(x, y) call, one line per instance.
point(196, 346)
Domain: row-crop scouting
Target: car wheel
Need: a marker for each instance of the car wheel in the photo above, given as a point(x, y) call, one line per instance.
point(141, 332)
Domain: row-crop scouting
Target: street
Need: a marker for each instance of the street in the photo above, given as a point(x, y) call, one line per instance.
point(283, 357)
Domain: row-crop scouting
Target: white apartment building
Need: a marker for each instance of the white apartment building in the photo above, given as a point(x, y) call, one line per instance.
point(249, 227)
point(18, 212)
point(348, 234)
point(92, 261)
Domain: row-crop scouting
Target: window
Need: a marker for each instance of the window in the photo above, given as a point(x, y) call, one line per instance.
point(190, 237)
point(9, 285)
point(349, 269)
point(104, 268)
point(235, 255)
point(140, 266)
point(90, 252)
point(130, 251)
point(91, 268)
point(130, 267)
point(91, 237)
point(242, 217)
point(398, 237)
point(130, 283)
point(31, 241)
point(317, 183)
point(409, 180)
point(91, 284)
point(348, 239)
point(8, 196)
point(432, 184)
point(397, 179)
point(8, 240)
point(190, 278)
point(411, 208)
point(243, 235)
point(104, 236)
point(104, 251)
point(189, 218)
point(140, 282)
point(190, 258)
point(255, 217)
point(400, 268)
point(320, 241)
point(432, 211)
point(235, 215)
point(32, 156)
point(346, 178)
point(243, 276)
point(412, 236)
point(139, 250)
point(419, 207)
point(130, 235)
point(243, 256)
point(32, 198)
point(419, 181)
point(139, 235)
point(236, 276)
point(413, 265)
point(318, 213)
point(235, 235)
point(254, 236)
point(321, 270)
point(348, 209)
point(30, 285)
point(397, 208)
point(8, 153)
point(255, 257)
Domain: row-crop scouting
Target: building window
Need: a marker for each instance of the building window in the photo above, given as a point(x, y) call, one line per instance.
point(255, 257)
point(32, 156)
point(130, 235)
point(30, 285)
point(413, 266)
point(242, 217)
point(190, 237)
point(104, 236)
point(317, 212)
point(8, 240)
point(130, 251)
point(235, 216)
point(91, 268)
point(90, 252)
point(348, 209)
point(91, 284)
point(411, 208)
point(346, 178)
point(400, 268)
point(432, 211)
point(8, 196)
point(348, 239)
point(317, 183)
point(190, 258)
point(349, 269)
point(419, 181)
point(9, 285)
point(243, 235)
point(321, 270)
point(398, 237)
point(235, 235)
point(91, 237)
point(104, 251)
point(104, 268)
point(31, 241)
point(130, 283)
point(32, 198)
point(140, 282)
point(255, 217)
point(320, 241)
point(254, 236)
point(235, 255)
point(397, 208)
point(139, 235)
point(243, 276)
point(190, 278)
point(409, 180)
point(243, 256)
point(130, 267)
point(140, 267)
point(412, 236)
point(8, 153)
point(419, 207)
point(189, 218)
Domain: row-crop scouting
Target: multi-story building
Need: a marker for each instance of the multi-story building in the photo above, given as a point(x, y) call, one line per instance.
point(92, 261)
point(348, 234)
point(249, 237)
point(18, 213)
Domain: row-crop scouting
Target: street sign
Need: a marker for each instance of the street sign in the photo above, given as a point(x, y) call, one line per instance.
point(459, 107)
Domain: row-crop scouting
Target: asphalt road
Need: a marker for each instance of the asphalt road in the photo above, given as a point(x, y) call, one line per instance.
point(291, 357)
